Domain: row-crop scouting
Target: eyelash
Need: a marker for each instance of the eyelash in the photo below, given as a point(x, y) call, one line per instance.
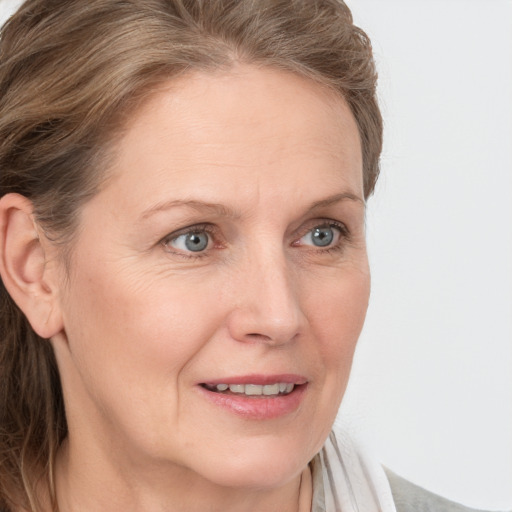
point(211, 231)
point(344, 236)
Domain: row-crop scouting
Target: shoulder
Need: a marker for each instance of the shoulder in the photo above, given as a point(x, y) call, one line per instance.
point(409, 497)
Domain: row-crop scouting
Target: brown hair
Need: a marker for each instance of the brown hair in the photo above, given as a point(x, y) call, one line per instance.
point(68, 71)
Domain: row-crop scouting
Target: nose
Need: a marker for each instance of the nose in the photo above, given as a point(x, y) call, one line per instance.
point(266, 302)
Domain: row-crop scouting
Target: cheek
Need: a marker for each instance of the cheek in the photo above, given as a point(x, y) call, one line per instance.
point(142, 322)
point(336, 316)
point(337, 313)
point(129, 366)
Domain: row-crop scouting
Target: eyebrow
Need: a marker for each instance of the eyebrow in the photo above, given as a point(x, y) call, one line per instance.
point(329, 201)
point(200, 206)
point(225, 211)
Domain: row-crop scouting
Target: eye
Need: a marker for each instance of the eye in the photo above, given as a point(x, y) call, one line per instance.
point(191, 241)
point(324, 235)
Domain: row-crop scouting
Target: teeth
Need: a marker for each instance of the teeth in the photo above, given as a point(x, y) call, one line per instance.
point(271, 389)
point(237, 388)
point(253, 389)
point(257, 389)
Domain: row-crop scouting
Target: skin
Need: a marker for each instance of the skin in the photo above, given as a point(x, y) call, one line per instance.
point(144, 320)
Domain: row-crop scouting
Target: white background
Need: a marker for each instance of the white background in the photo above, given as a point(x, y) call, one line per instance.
point(432, 381)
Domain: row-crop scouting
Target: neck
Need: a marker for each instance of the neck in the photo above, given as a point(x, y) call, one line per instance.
point(92, 484)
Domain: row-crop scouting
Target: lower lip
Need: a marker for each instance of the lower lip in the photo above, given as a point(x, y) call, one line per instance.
point(259, 407)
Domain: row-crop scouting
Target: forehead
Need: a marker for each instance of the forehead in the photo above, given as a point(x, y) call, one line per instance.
point(259, 122)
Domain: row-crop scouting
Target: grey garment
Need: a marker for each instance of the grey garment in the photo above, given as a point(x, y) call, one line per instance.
point(409, 497)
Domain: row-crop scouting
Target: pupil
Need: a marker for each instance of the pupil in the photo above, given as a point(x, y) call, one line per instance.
point(322, 236)
point(196, 242)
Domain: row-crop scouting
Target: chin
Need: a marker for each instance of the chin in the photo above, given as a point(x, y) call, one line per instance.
point(273, 474)
point(262, 465)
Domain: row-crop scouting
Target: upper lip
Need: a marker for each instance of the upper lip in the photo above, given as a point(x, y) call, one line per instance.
point(287, 378)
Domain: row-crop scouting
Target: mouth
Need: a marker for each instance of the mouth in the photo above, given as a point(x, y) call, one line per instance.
point(253, 390)
point(257, 397)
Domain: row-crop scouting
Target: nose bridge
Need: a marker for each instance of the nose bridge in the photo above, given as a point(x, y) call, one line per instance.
point(269, 306)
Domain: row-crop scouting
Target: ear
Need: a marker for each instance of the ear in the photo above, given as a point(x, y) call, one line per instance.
point(24, 268)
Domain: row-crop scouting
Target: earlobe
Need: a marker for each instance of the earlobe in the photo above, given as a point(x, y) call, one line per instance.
point(23, 266)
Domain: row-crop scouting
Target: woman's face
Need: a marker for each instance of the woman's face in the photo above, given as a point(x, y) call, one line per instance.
point(227, 250)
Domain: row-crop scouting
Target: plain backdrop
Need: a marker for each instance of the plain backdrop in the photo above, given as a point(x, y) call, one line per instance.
point(431, 386)
point(431, 389)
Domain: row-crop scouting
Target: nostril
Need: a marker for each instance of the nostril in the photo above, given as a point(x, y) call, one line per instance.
point(257, 336)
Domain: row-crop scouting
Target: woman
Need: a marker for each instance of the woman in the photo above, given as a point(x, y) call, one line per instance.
point(183, 256)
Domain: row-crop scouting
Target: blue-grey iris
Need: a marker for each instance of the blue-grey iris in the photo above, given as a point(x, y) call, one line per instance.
point(322, 236)
point(196, 241)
